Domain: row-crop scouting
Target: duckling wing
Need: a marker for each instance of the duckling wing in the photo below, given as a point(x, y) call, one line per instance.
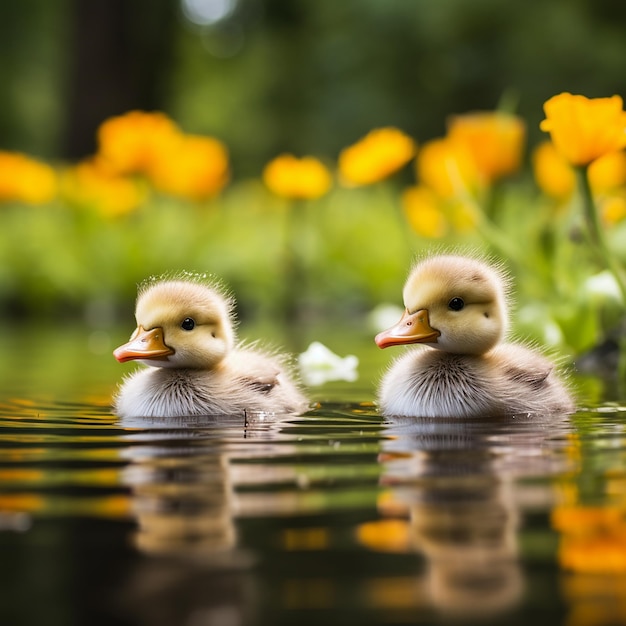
point(262, 386)
point(255, 370)
point(535, 378)
point(529, 381)
point(266, 378)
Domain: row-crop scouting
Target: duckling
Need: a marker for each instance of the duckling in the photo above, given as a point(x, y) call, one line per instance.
point(456, 306)
point(185, 333)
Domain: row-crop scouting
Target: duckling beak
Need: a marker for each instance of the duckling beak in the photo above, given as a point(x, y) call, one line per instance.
point(412, 328)
point(144, 344)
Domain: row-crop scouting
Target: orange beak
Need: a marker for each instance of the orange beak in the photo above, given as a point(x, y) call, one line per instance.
point(412, 328)
point(144, 344)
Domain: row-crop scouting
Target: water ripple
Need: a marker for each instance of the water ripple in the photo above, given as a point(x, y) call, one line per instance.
point(419, 515)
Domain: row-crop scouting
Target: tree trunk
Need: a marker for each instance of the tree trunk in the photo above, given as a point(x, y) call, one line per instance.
point(118, 62)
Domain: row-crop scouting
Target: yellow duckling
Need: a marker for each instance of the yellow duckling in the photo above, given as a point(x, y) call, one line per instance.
point(185, 333)
point(456, 306)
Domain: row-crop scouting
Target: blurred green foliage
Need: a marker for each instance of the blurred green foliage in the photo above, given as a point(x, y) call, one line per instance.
point(349, 248)
point(334, 258)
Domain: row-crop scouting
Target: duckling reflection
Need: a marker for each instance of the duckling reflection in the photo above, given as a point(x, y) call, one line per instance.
point(183, 502)
point(469, 538)
point(457, 484)
point(181, 481)
point(182, 497)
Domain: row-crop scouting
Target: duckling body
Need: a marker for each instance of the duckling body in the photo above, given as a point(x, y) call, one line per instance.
point(185, 334)
point(456, 307)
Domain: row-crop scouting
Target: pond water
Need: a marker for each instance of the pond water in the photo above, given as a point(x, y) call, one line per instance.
point(336, 516)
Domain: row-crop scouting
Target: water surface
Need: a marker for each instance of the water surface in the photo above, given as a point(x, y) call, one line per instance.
point(336, 516)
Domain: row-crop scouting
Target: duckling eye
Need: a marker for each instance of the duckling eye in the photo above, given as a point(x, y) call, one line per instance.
point(188, 324)
point(456, 304)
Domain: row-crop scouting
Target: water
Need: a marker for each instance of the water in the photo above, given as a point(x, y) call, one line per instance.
point(337, 516)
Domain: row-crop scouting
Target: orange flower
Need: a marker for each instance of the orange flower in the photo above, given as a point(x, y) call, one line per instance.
point(291, 177)
point(553, 173)
point(194, 167)
point(90, 184)
point(447, 167)
point(423, 212)
point(24, 179)
point(375, 157)
point(584, 129)
point(130, 143)
point(495, 141)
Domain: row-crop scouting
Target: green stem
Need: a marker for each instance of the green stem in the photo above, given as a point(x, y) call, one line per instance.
point(596, 232)
point(291, 264)
point(386, 198)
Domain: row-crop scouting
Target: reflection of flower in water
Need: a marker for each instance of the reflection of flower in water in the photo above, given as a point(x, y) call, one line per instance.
point(593, 538)
point(319, 365)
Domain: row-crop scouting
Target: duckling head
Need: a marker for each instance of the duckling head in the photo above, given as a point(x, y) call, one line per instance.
point(453, 303)
point(182, 324)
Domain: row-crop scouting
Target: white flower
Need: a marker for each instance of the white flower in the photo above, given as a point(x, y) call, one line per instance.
point(319, 365)
point(384, 316)
point(537, 316)
point(602, 286)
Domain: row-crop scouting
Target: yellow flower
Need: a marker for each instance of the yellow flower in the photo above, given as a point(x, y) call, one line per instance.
point(584, 129)
point(447, 167)
point(557, 178)
point(91, 184)
point(495, 140)
point(613, 208)
point(291, 177)
point(553, 173)
point(130, 143)
point(423, 212)
point(194, 167)
point(608, 172)
point(24, 179)
point(375, 157)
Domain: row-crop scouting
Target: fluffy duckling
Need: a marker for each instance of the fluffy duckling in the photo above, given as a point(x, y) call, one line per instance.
point(456, 306)
point(185, 334)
